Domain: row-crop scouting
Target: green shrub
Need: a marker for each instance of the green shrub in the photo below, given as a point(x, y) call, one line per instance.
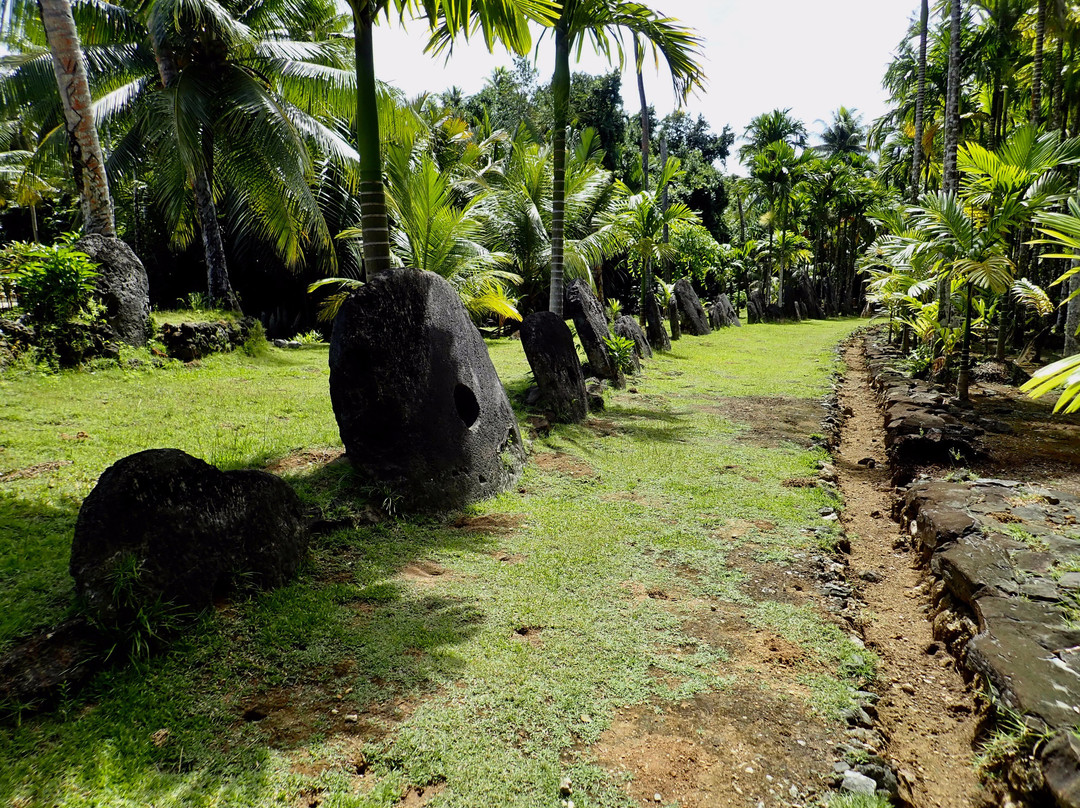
point(256, 345)
point(53, 283)
point(622, 351)
point(312, 337)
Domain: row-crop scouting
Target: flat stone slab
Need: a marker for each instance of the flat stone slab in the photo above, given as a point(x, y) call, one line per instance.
point(1030, 679)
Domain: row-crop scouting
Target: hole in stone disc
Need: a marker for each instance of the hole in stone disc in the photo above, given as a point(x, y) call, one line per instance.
point(468, 408)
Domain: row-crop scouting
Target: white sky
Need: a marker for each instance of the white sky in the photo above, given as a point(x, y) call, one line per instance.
point(759, 55)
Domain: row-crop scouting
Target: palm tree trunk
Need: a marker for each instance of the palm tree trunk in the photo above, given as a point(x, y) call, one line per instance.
point(646, 264)
point(217, 274)
point(87, 161)
point(951, 176)
point(560, 91)
point(218, 286)
point(951, 179)
point(373, 220)
point(1057, 118)
point(920, 101)
point(638, 55)
point(1037, 64)
point(963, 381)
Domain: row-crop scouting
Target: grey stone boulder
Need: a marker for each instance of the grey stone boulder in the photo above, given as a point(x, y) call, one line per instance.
point(592, 328)
point(122, 286)
point(694, 321)
point(1061, 769)
point(549, 347)
point(422, 413)
point(673, 319)
point(654, 326)
point(1030, 679)
point(722, 314)
point(161, 524)
point(628, 328)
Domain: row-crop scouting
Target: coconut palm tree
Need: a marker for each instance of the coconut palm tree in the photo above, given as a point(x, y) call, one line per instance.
point(600, 21)
point(219, 108)
point(771, 127)
point(844, 137)
point(69, 66)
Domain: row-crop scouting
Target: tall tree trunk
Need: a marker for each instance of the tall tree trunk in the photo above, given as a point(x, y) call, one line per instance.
point(664, 204)
point(560, 91)
point(1037, 64)
point(951, 176)
point(646, 264)
point(373, 221)
point(217, 274)
point(920, 101)
point(87, 161)
point(218, 286)
point(638, 56)
point(963, 381)
point(1057, 117)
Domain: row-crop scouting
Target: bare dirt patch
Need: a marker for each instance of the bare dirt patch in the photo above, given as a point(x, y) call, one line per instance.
point(423, 571)
point(745, 746)
point(496, 524)
point(418, 796)
point(771, 421)
point(30, 472)
point(304, 459)
point(603, 427)
point(564, 464)
point(926, 712)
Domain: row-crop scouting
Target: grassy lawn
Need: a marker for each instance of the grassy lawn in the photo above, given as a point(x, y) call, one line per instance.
point(478, 658)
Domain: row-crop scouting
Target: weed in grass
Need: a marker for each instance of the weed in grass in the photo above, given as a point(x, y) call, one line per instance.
point(1027, 537)
point(1010, 739)
point(859, 801)
point(1070, 563)
point(1070, 608)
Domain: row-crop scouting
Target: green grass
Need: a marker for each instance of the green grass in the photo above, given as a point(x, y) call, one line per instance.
point(491, 679)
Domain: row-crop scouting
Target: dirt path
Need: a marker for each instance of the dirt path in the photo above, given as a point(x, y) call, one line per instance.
point(926, 711)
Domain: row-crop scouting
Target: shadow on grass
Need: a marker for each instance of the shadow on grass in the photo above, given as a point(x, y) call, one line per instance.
point(35, 543)
point(367, 629)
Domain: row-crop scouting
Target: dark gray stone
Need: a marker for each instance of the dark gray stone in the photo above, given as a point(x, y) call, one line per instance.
point(756, 307)
point(121, 285)
point(1061, 769)
point(654, 326)
point(628, 328)
point(190, 341)
point(673, 319)
point(592, 328)
point(421, 411)
point(974, 568)
point(1041, 621)
point(594, 388)
point(549, 347)
point(694, 321)
point(1030, 679)
point(184, 531)
point(722, 314)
